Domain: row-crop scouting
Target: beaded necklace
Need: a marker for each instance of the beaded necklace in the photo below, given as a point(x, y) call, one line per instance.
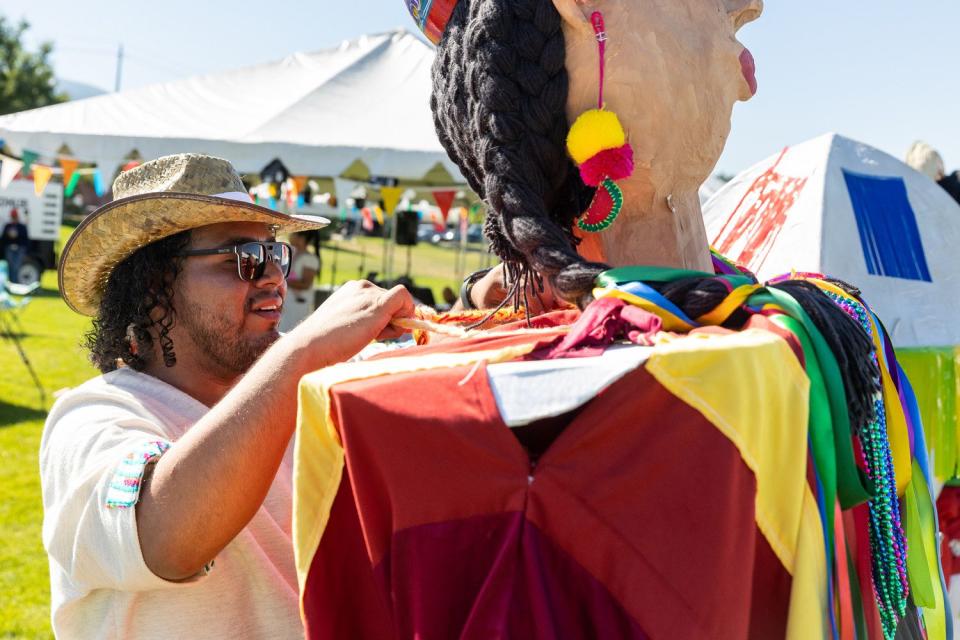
point(888, 544)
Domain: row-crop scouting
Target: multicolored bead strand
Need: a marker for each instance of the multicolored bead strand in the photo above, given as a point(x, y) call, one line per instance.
point(888, 544)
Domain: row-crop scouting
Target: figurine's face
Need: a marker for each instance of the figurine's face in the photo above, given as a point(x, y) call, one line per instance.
point(674, 70)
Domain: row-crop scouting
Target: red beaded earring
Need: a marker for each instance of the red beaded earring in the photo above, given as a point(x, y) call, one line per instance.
point(598, 145)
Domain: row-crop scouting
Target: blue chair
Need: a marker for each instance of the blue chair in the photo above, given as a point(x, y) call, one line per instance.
point(13, 298)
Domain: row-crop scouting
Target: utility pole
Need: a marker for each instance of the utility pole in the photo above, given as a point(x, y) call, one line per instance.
point(116, 86)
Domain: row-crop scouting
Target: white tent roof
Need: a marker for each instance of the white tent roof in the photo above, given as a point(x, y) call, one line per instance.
point(835, 206)
point(366, 99)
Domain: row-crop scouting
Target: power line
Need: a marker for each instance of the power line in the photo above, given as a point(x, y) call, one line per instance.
point(148, 61)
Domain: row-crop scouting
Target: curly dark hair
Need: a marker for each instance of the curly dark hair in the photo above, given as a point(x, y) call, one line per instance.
point(499, 99)
point(139, 286)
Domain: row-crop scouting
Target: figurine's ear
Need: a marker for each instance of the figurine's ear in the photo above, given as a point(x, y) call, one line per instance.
point(575, 13)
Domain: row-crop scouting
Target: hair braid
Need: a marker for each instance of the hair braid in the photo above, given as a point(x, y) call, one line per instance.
point(499, 104)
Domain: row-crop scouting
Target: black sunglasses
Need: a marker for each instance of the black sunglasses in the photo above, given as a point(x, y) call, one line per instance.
point(252, 257)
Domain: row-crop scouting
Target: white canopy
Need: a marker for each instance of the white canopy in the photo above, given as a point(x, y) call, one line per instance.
point(367, 99)
point(842, 208)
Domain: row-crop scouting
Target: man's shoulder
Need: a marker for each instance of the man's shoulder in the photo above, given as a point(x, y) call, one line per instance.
point(129, 391)
point(120, 388)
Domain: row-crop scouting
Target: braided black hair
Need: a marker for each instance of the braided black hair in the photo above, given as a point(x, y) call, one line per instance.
point(499, 105)
point(139, 286)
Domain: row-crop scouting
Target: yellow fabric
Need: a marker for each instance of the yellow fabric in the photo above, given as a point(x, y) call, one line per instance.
point(728, 379)
point(670, 321)
point(734, 301)
point(318, 453)
point(808, 618)
point(594, 131)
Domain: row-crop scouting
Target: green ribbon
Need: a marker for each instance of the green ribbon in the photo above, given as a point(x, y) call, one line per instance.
point(853, 487)
point(624, 275)
point(820, 426)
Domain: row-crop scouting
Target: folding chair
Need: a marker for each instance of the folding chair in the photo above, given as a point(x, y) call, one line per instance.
point(10, 326)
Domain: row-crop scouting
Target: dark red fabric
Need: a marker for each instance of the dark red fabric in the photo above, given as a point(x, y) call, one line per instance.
point(637, 521)
point(948, 512)
point(604, 322)
point(521, 584)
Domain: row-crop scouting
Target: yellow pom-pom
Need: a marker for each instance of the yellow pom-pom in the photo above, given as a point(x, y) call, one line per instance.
point(593, 132)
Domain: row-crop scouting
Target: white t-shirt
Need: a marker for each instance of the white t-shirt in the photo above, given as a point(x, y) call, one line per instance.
point(90, 453)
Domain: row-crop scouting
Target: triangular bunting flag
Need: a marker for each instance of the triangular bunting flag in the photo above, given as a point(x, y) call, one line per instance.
point(391, 198)
point(71, 185)
point(41, 176)
point(444, 201)
point(8, 170)
point(69, 165)
point(28, 158)
point(301, 183)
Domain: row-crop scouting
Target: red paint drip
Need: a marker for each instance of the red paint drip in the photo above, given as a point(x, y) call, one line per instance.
point(754, 230)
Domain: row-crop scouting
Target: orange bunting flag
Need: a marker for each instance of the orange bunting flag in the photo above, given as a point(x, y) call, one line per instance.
point(301, 182)
point(41, 176)
point(69, 165)
point(391, 198)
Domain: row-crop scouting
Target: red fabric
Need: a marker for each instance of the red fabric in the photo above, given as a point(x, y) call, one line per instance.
point(847, 622)
point(497, 338)
point(857, 520)
point(948, 512)
point(602, 323)
point(444, 529)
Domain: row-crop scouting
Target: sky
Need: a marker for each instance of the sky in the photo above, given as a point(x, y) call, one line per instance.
point(879, 71)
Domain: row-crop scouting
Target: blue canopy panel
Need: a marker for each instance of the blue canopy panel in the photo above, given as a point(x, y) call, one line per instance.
point(888, 227)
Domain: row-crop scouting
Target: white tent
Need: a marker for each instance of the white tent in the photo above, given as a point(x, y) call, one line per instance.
point(838, 207)
point(712, 184)
point(367, 100)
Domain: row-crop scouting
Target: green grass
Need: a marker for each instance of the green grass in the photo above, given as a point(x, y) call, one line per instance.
point(51, 339)
point(431, 266)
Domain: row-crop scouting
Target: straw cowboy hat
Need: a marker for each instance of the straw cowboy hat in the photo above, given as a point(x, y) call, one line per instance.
point(153, 201)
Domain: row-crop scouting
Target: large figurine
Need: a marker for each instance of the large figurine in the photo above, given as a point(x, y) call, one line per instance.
point(693, 455)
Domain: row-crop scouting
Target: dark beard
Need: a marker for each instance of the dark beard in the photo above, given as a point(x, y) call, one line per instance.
point(223, 346)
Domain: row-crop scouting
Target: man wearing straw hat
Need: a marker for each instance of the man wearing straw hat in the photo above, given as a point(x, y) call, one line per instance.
point(179, 455)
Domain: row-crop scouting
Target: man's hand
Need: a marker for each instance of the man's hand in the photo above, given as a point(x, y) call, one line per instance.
point(356, 314)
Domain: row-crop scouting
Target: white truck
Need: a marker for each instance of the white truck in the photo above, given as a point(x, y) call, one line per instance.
point(43, 216)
